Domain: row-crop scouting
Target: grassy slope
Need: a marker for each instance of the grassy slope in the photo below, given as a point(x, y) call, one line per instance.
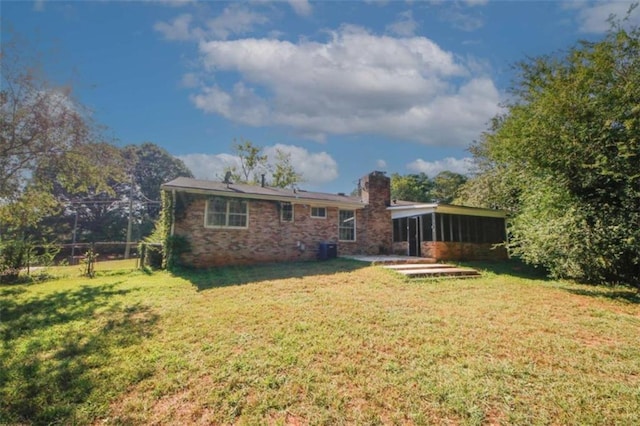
point(332, 342)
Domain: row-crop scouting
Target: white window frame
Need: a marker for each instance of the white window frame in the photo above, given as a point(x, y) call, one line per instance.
point(340, 227)
point(286, 203)
point(319, 217)
point(227, 213)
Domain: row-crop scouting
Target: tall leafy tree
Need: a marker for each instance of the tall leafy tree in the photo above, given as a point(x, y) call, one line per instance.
point(284, 173)
point(565, 158)
point(46, 139)
point(253, 162)
point(412, 187)
point(152, 166)
point(446, 185)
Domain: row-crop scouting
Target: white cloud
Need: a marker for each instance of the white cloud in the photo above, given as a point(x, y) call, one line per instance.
point(592, 17)
point(432, 168)
point(38, 6)
point(178, 29)
point(209, 166)
point(462, 20)
point(381, 164)
point(301, 7)
point(404, 26)
point(354, 83)
point(190, 80)
point(175, 3)
point(316, 168)
point(476, 2)
point(235, 19)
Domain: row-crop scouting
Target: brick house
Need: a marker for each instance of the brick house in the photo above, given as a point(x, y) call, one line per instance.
point(229, 223)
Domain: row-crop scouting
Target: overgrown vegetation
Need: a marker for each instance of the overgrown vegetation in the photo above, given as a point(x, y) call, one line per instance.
point(565, 160)
point(334, 342)
point(442, 188)
point(18, 255)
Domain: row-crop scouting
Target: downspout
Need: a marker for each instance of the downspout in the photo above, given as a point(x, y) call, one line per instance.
point(434, 224)
point(408, 239)
point(173, 211)
point(506, 238)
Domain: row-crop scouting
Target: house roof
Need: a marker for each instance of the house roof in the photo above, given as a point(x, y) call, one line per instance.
point(239, 190)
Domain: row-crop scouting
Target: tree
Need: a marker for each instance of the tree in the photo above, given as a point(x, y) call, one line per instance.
point(412, 187)
point(284, 174)
point(104, 215)
point(41, 128)
point(445, 186)
point(153, 166)
point(252, 162)
point(565, 158)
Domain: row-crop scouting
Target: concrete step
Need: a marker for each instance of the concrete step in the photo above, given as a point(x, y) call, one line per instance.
point(434, 271)
point(418, 266)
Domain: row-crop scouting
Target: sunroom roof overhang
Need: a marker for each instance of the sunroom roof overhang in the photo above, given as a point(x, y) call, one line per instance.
point(415, 210)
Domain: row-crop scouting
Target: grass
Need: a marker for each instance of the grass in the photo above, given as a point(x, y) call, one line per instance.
point(317, 343)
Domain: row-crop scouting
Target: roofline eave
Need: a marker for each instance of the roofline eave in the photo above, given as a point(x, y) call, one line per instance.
point(293, 199)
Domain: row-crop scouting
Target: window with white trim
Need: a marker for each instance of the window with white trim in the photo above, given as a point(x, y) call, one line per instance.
point(286, 212)
point(347, 225)
point(226, 213)
point(319, 212)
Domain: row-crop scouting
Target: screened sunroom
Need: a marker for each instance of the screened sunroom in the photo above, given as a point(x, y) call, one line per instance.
point(448, 232)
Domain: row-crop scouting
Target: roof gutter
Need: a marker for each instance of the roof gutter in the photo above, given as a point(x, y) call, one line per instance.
point(297, 199)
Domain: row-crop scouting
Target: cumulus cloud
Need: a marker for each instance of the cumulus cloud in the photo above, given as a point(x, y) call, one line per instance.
point(301, 7)
point(381, 164)
point(175, 3)
point(234, 19)
point(209, 166)
point(316, 168)
point(462, 20)
point(38, 6)
point(592, 17)
point(178, 29)
point(476, 2)
point(432, 168)
point(354, 83)
point(404, 26)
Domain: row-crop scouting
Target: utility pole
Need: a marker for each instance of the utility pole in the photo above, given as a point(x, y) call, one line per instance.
point(130, 224)
point(73, 243)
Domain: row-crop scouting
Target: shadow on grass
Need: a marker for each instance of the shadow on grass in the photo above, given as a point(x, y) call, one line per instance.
point(205, 279)
point(512, 267)
point(628, 295)
point(55, 345)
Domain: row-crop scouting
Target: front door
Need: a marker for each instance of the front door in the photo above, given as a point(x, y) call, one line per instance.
point(413, 225)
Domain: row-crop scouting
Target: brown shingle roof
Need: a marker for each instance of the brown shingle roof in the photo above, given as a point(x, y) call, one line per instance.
point(259, 192)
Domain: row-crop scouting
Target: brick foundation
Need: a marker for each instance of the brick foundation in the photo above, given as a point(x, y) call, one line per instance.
point(441, 250)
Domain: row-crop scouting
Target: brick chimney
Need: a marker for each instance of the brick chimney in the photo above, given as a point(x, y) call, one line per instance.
point(376, 233)
point(375, 189)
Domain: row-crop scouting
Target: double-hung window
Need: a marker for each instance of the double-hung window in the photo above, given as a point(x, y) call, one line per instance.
point(347, 225)
point(318, 212)
point(286, 212)
point(227, 213)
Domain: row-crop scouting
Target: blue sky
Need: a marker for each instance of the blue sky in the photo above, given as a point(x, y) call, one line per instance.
point(344, 87)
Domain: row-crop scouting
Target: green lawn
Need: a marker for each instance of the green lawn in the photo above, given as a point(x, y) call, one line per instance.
point(317, 343)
